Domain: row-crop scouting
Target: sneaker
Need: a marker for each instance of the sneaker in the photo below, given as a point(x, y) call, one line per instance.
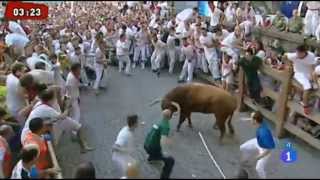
point(158, 73)
point(134, 65)
point(142, 66)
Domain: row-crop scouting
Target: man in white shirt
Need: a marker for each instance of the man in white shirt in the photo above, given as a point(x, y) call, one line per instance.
point(171, 49)
point(210, 52)
point(232, 44)
point(124, 147)
point(15, 100)
point(61, 122)
point(41, 75)
point(158, 54)
point(311, 19)
point(201, 60)
point(304, 63)
point(230, 14)
point(216, 16)
point(122, 51)
point(73, 93)
point(140, 49)
point(189, 55)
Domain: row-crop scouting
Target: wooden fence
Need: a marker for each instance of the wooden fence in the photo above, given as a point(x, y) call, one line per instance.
point(284, 106)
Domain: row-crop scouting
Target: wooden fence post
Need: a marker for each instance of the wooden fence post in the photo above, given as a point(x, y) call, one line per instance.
point(282, 103)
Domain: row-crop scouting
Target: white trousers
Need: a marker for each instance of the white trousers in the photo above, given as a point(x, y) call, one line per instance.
point(99, 72)
point(172, 59)
point(311, 22)
point(84, 77)
point(75, 110)
point(124, 59)
point(251, 149)
point(202, 62)
point(156, 59)
point(187, 69)
point(318, 33)
point(214, 67)
point(303, 79)
point(140, 51)
point(121, 161)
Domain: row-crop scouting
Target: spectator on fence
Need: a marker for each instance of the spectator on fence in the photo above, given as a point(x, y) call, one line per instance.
point(250, 65)
point(6, 134)
point(303, 62)
point(295, 23)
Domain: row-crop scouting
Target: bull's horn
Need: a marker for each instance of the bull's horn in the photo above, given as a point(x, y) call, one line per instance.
point(155, 102)
point(177, 106)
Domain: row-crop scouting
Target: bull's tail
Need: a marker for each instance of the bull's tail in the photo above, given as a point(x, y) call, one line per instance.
point(155, 101)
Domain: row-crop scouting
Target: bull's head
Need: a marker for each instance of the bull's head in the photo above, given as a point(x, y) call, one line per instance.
point(173, 106)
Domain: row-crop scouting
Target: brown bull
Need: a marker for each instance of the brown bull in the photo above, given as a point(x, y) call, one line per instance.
point(203, 98)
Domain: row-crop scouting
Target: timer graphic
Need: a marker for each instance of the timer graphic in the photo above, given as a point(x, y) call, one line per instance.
point(26, 11)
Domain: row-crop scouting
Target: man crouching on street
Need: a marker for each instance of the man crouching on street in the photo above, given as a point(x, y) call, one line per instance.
point(156, 138)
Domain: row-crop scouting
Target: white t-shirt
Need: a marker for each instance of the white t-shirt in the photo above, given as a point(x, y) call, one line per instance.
point(125, 140)
point(34, 59)
point(141, 38)
point(73, 86)
point(215, 16)
point(122, 48)
point(304, 65)
point(247, 26)
point(42, 76)
point(16, 28)
point(14, 99)
point(208, 52)
point(230, 41)
point(39, 110)
point(17, 40)
point(230, 14)
point(74, 58)
point(171, 42)
point(261, 54)
point(225, 33)
point(17, 171)
point(188, 52)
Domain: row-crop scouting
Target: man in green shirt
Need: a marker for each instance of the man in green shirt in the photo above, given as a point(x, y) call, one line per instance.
point(250, 65)
point(157, 137)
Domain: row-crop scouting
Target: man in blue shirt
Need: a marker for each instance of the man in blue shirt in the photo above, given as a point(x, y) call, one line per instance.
point(255, 153)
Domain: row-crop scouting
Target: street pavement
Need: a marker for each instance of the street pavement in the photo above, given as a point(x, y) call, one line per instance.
point(103, 116)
